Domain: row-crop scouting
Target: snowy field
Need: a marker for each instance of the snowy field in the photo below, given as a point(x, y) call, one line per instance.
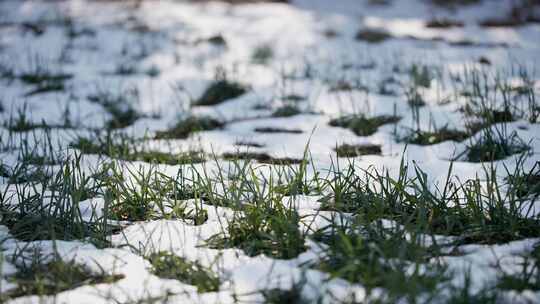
point(346, 151)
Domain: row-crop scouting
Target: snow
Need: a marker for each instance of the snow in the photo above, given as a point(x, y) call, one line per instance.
point(296, 34)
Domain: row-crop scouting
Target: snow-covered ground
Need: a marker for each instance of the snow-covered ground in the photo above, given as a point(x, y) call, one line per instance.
point(164, 47)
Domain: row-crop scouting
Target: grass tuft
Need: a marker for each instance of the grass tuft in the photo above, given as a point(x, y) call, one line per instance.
point(292, 295)
point(286, 111)
point(250, 144)
point(189, 125)
point(362, 125)
point(379, 257)
point(473, 211)
point(495, 145)
point(277, 130)
point(261, 158)
point(525, 183)
point(55, 214)
point(127, 149)
point(220, 91)
point(262, 54)
point(373, 35)
point(444, 23)
point(146, 194)
point(42, 277)
point(119, 106)
point(347, 150)
point(169, 266)
point(265, 224)
point(44, 81)
point(425, 138)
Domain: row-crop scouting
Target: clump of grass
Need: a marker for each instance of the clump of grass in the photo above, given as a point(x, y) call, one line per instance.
point(87, 146)
point(261, 158)
point(414, 98)
point(344, 85)
point(424, 138)
point(380, 2)
point(444, 23)
point(124, 69)
point(362, 125)
point(119, 106)
point(216, 40)
point(188, 125)
point(525, 183)
point(251, 144)
point(219, 91)
point(502, 22)
point(24, 173)
point(454, 2)
point(131, 200)
point(153, 71)
point(184, 158)
point(4, 171)
point(491, 100)
point(44, 80)
point(146, 195)
point(484, 60)
point(474, 211)
point(6, 70)
point(347, 150)
point(387, 87)
point(127, 149)
point(51, 86)
point(379, 257)
point(73, 31)
point(22, 124)
point(277, 296)
point(277, 130)
point(41, 226)
point(34, 159)
point(263, 224)
point(495, 144)
point(373, 35)
point(286, 111)
point(421, 76)
point(291, 295)
point(487, 117)
point(293, 98)
point(348, 192)
point(272, 230)
point(294, 180)
point(119, 146)
point(262, 54)
point(103, 145)
point(41, 276)
point(169, 266)
point(40, 215)
point(36, 28)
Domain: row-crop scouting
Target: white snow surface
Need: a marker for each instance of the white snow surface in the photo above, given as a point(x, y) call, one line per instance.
point(169, 36)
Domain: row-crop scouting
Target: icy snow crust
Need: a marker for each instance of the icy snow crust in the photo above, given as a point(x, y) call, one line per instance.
point(172, 42)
